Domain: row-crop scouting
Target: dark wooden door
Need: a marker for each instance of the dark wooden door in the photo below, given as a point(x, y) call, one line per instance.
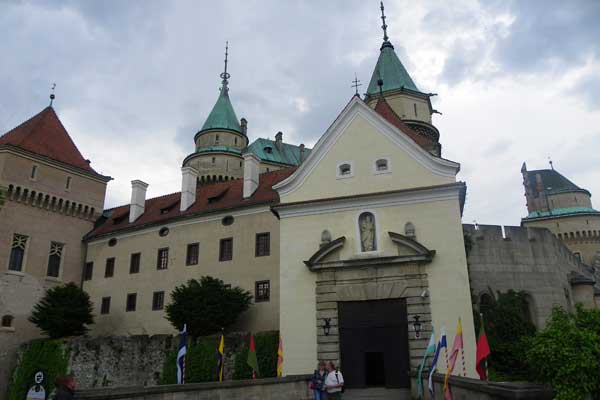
point(374, 343)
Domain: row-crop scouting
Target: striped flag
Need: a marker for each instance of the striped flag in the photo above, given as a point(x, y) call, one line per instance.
point(428, 351)
point(252, 360)
point(456, 348)
point(220, 358)
point(280, 358)
point(181, 356)
point(441, 344)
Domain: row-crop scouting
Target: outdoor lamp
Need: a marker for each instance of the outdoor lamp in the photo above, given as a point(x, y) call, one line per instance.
point(326, 326)
point(417, 326)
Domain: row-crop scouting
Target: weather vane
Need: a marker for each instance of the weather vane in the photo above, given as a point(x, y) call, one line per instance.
point(52, 96)
point(225, 75)
point(356, 83)
point(384, 26)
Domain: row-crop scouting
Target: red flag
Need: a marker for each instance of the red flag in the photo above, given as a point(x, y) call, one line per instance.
point(483, 351)
point(252, 361)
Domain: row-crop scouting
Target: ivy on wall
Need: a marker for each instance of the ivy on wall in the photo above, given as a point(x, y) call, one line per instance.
point(46, 355)
point(266, 354)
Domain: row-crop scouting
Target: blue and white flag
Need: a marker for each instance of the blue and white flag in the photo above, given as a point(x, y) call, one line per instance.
point(181, 356)
point(438, 350)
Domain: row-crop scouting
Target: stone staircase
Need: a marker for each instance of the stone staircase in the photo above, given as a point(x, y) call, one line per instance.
point(377, 394)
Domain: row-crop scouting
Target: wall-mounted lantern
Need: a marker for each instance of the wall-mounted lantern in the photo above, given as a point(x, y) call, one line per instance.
point(326, 326)
point(417, 326)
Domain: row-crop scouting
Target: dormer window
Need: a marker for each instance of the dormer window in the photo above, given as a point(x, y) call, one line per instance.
point(268, 150)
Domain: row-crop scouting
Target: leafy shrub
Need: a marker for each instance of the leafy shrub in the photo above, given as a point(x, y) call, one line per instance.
point(566, 354)
point(48, 356)
point(63, 311)
point(266, 352)
point(200, 362)
point(206, 306)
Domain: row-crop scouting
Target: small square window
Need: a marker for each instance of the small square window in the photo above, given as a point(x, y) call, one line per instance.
point(262, 291)
point(191, 257)
point(105, 307)
point(109, 271)
point(158, 301)
point(345, 169)
point(382, 166)
point(134, 263)
point(88, 271)
point(226, 249)
point(162, 259)
point(263, 244)
point(131, 302)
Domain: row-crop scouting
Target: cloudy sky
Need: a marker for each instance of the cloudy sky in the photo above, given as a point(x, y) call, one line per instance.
point(516, 81)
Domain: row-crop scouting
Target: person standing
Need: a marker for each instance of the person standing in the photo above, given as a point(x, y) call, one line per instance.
point(317, 382)
point(334, 382)
point(65, 389)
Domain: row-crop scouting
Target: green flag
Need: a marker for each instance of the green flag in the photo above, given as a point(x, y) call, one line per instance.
point(428, 351)
point(252, 361)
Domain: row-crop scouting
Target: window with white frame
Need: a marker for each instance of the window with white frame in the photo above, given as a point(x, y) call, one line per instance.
point(344, 170)
point(17, 252)
point(54, 258)
point(382, 165)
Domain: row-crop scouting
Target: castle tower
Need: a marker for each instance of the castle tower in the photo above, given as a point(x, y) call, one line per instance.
point(219, 144)
point(392, 84)
point(556, 203)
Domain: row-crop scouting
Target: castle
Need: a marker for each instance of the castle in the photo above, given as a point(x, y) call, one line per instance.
point(365, 225)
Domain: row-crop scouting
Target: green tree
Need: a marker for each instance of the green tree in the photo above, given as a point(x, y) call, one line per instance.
point(507, 324)
point(206, 306)
point(63, 311)
point(566, 354)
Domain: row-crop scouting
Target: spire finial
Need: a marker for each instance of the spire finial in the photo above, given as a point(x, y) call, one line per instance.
point(384, 26)
point(52, 96)
point(356, 84)
point(551, 163)
point(225, 75)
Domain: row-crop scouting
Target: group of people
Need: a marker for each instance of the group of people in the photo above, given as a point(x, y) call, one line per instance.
point(327, 382)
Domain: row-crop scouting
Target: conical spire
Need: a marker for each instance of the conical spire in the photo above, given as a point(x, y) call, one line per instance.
point(389, 68)
point(222, 115)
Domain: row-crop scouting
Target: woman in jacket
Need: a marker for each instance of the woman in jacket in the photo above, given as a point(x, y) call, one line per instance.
point(317, 382)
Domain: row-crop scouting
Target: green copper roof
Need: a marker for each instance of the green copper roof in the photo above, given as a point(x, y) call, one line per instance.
point(222, 115)
point(562, 212)
point(289, 153)
point(391, 71)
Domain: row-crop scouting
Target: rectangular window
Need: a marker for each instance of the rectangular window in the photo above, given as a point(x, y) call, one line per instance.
point(226, 249)
point(105, 307)
point(56, 250)
point(88, 271)
point(162, 259)
point(17, 252)
point(131, 302)
point(110, 267)
point(134, 263)
point(262, 291)
point(191, 257)
point(263, 244)
point(34, 172)
point(158, 300)
point(68, 184)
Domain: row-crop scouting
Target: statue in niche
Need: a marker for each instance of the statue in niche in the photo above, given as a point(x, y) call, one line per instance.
point(366, 223)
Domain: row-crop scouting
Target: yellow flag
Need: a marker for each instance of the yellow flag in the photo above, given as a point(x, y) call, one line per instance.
point(280, 358)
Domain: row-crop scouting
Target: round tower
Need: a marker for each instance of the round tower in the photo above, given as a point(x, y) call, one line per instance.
point(220, 141)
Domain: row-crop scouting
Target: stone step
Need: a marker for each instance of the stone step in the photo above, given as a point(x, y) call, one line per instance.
point(377, 394)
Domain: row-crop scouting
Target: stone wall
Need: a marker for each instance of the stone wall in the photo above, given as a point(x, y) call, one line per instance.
point(287, 388)
point(527, 259)
point(474, 389)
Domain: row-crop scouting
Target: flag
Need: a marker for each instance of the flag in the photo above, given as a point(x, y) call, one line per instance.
point(252, 361)
point(483, 351)
point(181, 356)
point(428, 351)
point(441, 344)
point(220, 358)
point(280, 358)
point(456, 348)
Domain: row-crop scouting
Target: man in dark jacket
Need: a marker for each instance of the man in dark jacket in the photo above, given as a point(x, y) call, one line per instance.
point(65, 389)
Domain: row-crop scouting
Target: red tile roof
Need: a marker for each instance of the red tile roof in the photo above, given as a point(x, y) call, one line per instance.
point(385, 110)
point(210, 198)
point(45, 135)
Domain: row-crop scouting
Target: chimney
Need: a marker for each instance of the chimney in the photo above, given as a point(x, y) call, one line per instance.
point(244, 125)
point(189, 180)
point(279, 140)
point(138, 199)
point(251, 171)
point(301, 152)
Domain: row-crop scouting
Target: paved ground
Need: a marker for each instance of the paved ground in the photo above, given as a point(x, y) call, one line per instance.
point(377, 394)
